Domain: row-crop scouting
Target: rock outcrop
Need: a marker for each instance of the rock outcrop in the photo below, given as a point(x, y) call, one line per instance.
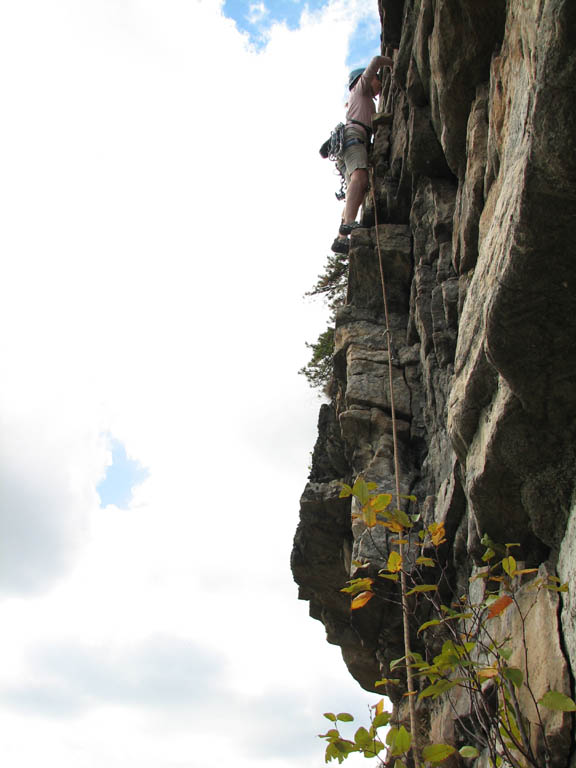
point(475, 181)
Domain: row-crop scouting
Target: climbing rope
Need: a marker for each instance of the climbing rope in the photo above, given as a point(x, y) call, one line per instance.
point(403, 587)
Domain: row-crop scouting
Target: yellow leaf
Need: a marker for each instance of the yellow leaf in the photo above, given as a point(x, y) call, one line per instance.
point(381, 502)
point(487, 673)
point(394, 562)
point(346, 491)
point(369, 516)
point(361, 600)
point(395, 526)
point(437, 533)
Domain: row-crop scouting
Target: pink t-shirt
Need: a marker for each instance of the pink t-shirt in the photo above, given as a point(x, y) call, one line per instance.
point(361, 102)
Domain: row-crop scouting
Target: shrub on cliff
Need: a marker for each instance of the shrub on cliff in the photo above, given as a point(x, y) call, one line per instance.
point(483, 665)
point(331, 285)
point(319, 369)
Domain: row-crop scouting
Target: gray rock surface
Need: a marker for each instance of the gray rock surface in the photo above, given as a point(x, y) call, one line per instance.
point(476, 205)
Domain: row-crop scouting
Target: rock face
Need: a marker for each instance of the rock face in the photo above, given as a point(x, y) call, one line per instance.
point(475, 181)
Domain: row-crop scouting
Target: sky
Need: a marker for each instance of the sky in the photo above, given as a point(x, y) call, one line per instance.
point(164, 209)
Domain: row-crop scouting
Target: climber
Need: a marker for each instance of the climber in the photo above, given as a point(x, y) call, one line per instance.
point(364, 86)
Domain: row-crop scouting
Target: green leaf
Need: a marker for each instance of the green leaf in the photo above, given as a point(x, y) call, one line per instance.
point(402, 741)
point(401, 517)
point(381, 502)
point(515, 675)
point(422, 588)
point(487, 541)
point(431, 623)
point(331, 735)
point(509, 565)
point(332, 754)
point(345, 492)
point(389, 576)
point(358, 585)
point(382, 719)
point(331, 716)
point(437, 688)
point(427, 561)
point(488, 555)
point(360, 490)
point(399, 740)
point(362, 738)
point(344, 717)
point(437, 753)
point(512, 726)
point(469, 752)
point(339, 750)
point(344, 746)
point(506, 653)
point(391, 736)
point(557, 701)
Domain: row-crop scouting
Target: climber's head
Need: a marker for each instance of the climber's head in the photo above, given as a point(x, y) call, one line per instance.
point(354, 76)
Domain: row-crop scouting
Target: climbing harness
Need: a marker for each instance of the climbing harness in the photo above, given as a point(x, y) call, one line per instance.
point(403, 587)
point(334, 148)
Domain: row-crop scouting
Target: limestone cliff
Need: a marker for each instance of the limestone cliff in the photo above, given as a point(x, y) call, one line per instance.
point(475, 176)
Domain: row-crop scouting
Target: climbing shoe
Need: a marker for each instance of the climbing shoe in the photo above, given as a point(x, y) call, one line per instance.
point(340, 246)
point(345, 229)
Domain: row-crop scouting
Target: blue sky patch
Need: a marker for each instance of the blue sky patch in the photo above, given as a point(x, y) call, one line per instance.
point(121, 477)
point(364, 43)
point(256, 16)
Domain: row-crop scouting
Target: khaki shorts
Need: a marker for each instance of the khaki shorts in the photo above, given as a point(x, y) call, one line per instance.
point(355, 156)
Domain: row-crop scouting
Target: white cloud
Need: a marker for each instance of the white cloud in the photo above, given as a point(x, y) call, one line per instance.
point(257, 12)
point(159, 673)
point(165, 209)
